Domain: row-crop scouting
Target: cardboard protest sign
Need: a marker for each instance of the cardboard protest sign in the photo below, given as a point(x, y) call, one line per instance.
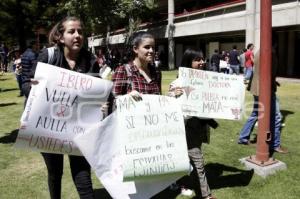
point(142, 143)
point(211, 95)
point(101, 147)
point(62, 105)
point(154, 136)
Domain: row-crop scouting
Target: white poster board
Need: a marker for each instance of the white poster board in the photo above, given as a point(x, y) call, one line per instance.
point(142, 143)
point(153, 136)
point(211, 95)
point(62, 105)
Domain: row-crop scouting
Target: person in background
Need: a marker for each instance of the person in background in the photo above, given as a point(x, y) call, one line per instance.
point(234, 61)
point(249, 63)
point(275, 118)
point(224, 54)
point(104, 69)
point(224, 65)
point(156, 60)
point(17, 67)
point(139, 76)
point(67, 37)
point(215, 61)
point(197, 129)
point(101, 60)
point(242, 59)
point(3, 57)
point(28, 60)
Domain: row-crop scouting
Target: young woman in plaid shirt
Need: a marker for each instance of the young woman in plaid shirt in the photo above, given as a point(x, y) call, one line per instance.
point(139, 75)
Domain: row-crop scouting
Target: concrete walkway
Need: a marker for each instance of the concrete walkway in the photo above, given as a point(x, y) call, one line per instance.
point(285, 79)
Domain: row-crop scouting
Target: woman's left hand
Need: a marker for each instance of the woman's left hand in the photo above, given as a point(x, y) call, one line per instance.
point(104, 109)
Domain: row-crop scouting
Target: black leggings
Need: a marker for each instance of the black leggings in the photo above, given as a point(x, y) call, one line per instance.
point(81, 174)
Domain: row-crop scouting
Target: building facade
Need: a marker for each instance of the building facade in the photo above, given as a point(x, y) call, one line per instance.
point(222, 24)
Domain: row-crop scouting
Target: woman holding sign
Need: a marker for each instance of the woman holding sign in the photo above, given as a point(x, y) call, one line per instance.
point(197, 130)
point(139, 75)
point(67, 36)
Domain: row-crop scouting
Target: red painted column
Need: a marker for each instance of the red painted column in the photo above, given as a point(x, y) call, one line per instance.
point(262, 149)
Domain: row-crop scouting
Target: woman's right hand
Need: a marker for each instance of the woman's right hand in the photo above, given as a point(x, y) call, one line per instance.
point(34, 81)
point(136, 95)
point(104, 109)
point(178, 91)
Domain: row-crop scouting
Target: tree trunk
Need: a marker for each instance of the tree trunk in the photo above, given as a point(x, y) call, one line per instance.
point(171, 30)
point(107, 36)
point(20, 28)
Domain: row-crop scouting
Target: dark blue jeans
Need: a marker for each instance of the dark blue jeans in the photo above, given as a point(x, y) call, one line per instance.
point(19, 80)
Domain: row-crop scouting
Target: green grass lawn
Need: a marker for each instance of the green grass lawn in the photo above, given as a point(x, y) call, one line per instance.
point(23, 173)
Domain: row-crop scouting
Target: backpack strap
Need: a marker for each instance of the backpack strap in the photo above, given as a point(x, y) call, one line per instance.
point(129, 77)
point(128, 71)
point(51, 54)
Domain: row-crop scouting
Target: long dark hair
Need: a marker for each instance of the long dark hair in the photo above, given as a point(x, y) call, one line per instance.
point(189, 55)
point(135, 40)
point(249, 45)
point(58, 30)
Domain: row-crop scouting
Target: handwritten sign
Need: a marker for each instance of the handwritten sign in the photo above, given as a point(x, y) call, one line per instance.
point(142, 141)
point(101, 147)
point(211, 95)
point(154, 136)
point(62, 105)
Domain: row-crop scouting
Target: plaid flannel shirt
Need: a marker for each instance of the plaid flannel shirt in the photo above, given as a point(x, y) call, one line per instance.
point(125, 83)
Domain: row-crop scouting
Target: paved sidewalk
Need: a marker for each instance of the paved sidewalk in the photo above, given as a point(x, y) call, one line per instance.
point(285, 79)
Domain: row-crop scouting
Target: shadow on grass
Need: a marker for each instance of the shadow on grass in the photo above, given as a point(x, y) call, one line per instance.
point(285, 113)
point(9, 137)
point(4, 79)
point(216, 179)
point(8, 89)
point(7, 104)
point(165, 194)
point(102, 193)
point(234, 177)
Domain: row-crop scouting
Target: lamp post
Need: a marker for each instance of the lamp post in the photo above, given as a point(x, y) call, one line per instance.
point(262, 156)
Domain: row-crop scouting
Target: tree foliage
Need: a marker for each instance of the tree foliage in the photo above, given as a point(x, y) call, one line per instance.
point(122, 13)
point(133, 10)
point(21, 18)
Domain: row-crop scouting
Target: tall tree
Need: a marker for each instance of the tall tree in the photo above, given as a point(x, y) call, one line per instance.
point(133, 10)
point(113, 12)
point(171, 29)
point(27, 16)
point(105, 16)
point(14, 32)
point(77, 8)
point(20, 18)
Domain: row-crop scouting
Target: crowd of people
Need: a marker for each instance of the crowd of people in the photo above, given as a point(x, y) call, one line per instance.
point(234, 62)
point(135, 72)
